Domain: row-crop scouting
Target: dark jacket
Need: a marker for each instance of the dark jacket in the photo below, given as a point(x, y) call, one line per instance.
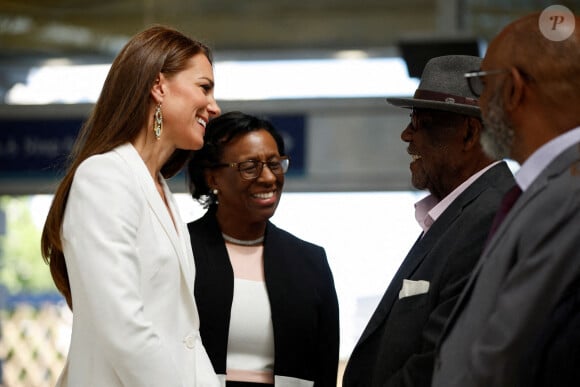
point(517, 284)
point(397, 347)
point(554, 357)
point(302, 297)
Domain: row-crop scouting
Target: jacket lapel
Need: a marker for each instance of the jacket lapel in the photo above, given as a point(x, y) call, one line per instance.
point(555, 168)
point(421, 249)
point(176, 233)
point(179, 236)
point(410, 263)
point(561, 163)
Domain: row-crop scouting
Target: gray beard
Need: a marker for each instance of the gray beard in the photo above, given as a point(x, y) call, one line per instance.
point(497, 136)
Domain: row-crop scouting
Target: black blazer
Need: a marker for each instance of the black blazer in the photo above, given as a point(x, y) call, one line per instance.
point(302, 297)
point(397, 346)
point(517, 283)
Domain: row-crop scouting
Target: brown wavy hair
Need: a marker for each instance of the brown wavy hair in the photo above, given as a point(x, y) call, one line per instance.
point(118, 116)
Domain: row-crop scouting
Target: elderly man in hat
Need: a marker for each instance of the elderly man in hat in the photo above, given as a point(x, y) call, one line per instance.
point(517, 321)
point(466, 187)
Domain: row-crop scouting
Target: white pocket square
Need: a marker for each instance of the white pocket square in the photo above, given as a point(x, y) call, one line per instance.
point(412, 288)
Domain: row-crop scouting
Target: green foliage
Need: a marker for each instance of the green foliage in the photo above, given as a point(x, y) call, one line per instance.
point(21, 265)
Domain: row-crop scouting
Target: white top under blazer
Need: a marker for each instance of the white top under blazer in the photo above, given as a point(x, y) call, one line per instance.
point(131, 272)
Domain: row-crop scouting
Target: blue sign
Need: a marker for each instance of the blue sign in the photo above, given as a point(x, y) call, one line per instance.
point(34, 147)
point(292, 128)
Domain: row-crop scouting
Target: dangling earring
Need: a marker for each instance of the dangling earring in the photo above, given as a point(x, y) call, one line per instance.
point(158, 122)
point(215, 193)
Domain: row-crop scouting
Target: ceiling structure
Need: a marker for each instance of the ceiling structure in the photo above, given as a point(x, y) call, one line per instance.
point(101, 26)
point(33, 32)
point(98, 28)
point(93, 31)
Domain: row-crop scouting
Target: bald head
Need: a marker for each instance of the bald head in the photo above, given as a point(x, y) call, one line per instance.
point(533, 91)
point(553, 66)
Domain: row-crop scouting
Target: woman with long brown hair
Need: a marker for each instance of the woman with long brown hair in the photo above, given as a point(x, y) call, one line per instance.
point(117, 248)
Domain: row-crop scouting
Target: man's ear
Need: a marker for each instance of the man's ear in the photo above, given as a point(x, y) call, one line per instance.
point(158, 88)
point(513, 90)
point(472, 133)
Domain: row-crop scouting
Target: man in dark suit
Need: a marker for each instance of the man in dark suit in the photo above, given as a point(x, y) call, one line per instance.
point(466, 187)
point(529, 270)
point(554, 357)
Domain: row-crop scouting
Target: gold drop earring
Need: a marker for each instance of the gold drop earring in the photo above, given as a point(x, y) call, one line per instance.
point(158, 122)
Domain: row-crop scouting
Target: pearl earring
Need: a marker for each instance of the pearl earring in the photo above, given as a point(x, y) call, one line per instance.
point(215, 191)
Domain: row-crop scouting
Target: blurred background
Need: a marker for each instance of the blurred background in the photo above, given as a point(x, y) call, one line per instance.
point(319, 69)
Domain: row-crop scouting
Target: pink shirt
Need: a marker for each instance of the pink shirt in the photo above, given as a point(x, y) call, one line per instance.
point(250, 356)
point(428, 209)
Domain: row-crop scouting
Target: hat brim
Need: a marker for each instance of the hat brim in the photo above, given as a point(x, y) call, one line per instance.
point(411, 103)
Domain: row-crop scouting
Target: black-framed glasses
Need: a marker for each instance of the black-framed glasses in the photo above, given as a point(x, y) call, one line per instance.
point(251, 169)
point(474, 79)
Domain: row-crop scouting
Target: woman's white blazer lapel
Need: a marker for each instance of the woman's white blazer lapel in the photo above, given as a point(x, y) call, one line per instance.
point(177, 234)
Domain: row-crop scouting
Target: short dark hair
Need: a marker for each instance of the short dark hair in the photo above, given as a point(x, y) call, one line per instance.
point(219, 132)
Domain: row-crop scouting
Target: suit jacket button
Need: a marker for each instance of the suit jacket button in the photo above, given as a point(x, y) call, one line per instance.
point(190, 342)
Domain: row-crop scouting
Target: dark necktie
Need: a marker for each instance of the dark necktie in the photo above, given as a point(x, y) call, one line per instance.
point(507, 203)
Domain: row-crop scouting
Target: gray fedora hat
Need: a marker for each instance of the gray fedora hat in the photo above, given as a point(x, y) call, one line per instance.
point(443, 86)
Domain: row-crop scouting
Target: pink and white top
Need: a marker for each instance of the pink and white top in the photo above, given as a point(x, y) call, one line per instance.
point(250, 356)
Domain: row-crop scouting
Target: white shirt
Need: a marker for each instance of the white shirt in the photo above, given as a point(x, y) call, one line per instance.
point(543, 156)
point(250, 355)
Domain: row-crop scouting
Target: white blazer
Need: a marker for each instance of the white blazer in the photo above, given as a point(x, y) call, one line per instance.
point(131, 272)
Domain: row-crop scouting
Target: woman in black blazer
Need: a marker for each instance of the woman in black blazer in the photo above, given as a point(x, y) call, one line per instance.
point(266, 299)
